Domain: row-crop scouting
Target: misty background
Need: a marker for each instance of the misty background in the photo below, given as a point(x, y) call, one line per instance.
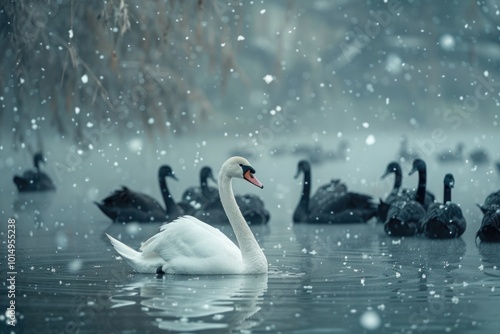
point(110, 90)
point(92, 82)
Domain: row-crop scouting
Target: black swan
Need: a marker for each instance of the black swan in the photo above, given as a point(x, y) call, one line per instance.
point(396, 194)
point(251, 206)
point(337, 206)
point(125, 205)
point(34, 180)
point(420, 166)
point(490, 225)
point(334, 188)
point(444, 220)
point(479, 157)
point(405, 216)
point(450, 156)
point(492, 199)
point(194, 198)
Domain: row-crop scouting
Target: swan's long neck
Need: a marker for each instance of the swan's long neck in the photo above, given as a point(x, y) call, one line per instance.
point(422, 181)
point(251, 253)
point(302, 211)
point(203, 182)
point(170, 205)
point(447, 194)
point(398, 180)
point(36, 162)
point(204, 185)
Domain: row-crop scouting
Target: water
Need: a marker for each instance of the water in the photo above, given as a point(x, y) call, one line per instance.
point(322, 278)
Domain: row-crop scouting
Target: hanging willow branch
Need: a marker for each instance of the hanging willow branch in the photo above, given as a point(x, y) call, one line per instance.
point(101, 55)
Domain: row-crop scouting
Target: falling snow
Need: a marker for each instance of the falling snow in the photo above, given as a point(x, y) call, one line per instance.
point(111, 92)
point(268, 78)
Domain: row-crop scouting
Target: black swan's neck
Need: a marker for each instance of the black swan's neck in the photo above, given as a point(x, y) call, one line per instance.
point(447, 194)
point(170, 205)
point(422, 181)
point(306, 190)
point(204, 183)
point(36, 162)
point(302, 210)
point(398, 180)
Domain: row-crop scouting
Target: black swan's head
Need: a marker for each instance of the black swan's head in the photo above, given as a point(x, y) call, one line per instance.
point(418, 165)
point(392, 167)
point(449, 181)
point(37, 158)
point(166, 171)
point(303, 167)
point(206, 173)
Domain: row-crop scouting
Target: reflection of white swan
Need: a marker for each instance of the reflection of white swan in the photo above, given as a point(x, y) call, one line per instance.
point(189, 246)
point(183, 304)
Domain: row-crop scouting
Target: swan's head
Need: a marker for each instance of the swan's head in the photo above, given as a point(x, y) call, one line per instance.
point(37, 158)
point(392, 167)
point(239, 167)
point(449, 180)
point(418, 165)
point(303, 166)
point(166, 171)
point(206, 173)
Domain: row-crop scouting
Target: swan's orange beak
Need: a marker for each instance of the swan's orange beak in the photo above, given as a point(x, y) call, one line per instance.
point(252, 179)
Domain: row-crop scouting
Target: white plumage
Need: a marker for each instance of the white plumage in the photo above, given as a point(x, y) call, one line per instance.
point(189, 246)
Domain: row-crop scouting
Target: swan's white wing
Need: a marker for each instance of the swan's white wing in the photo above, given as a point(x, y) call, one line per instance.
point(187, 245)
point(186, 219)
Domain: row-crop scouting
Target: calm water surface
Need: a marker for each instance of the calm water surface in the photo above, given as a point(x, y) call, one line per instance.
point(342, 278)
point(322, 279)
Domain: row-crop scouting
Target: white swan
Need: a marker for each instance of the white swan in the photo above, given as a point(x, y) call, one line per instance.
point(189, 246)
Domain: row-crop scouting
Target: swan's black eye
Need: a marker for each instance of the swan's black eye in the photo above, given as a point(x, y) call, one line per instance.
point(247, 168)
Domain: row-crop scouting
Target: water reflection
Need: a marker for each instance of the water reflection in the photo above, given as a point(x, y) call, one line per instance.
point(425, 273)
point(33, 206)
point(185, 303)
point(424, 254)
point(30, 202)
point(490, 258)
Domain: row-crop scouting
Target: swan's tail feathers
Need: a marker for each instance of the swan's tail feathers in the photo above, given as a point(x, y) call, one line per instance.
point(357, 201)
point(128, 254)
point(140, 261)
